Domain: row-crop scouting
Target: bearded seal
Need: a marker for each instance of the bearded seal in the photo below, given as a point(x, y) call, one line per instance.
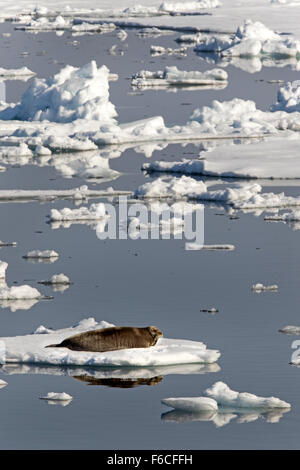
point(111, 339)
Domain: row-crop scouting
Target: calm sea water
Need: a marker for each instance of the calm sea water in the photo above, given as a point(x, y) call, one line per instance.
point(146, 282)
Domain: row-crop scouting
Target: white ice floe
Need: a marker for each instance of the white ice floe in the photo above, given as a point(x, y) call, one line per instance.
point(220, 247)
point(54, 396)
point(261, 287)
point(7, 244)
point(288, 98)
point(224, 396)
point(82, 117)
point(288, 217)
point(24, 292)
point(171, 76)
point(10, 295)
point(32, 349)
point(2, 383)
point(290, 330)
point(240, 196)
point(265, 159)
point(221, 404)
point(57, 279)
point(78, 194)
point(159, 50)
point(95, 212)
point(3, 268)
point(251, 39)
point(15, 73)
point(45, 254)
point(191, 404)
point(73, 93)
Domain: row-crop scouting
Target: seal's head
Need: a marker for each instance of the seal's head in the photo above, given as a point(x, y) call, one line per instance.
point(155, 333)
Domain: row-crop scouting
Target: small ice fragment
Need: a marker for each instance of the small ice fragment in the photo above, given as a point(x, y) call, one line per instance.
point(2, 383)
point(42, 330)
point(41, 254)
point(212, 310)
point(7, 244)
point(53, 396)
point(290, 330)
point(57, 279)
point(227, 397)
point(260, 287)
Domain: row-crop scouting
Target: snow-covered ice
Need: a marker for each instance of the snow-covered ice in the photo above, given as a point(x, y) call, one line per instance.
point(56, 396)
point(41, 254)
point(219, 247)
point(290, 330)
point(57, 279)
point(32, 349)
point(10, 73)
point(78, 194)
point(224, 396)
point(251, 39)
point(160, 50)
point(265, 159)
point(73, 93)
point(171, 76)
point(258, 287)
point(94, 212)
point(240, 196)
point(2, 383)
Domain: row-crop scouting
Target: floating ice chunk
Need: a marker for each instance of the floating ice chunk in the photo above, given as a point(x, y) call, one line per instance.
point(260, 287)
point(54, 396)
point(2, 383)
point(95, 212)
point(42, 330)
point(10, 73)
point(57, 279)
point(45, 254)
point(73, 93)
point(7, 244)
point(24, 292)
point(191, 404)
point(290, 330)
point(251, 39)
point(196, 246)
point(224, 396)
point(242, 196)
point(190, 6)
point(212, 310)
point(3, 268)
point(32, 349)
point(44, 23)
point(171, 76)
point(213, 44)
point(190, 38)
point(83, 192)
point(92, 27)
point(257, 160)
point(288, 98)
point(159, 50)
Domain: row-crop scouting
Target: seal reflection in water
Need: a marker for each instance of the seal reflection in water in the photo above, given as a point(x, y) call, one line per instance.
point(119, 383)
point(112, 339)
